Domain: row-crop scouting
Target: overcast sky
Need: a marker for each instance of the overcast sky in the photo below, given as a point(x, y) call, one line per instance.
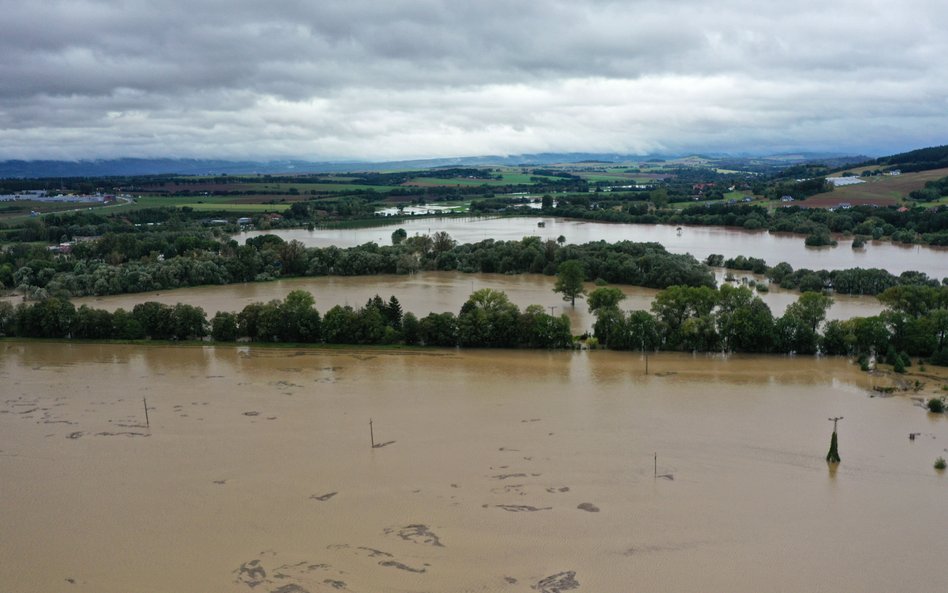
point(388, 79)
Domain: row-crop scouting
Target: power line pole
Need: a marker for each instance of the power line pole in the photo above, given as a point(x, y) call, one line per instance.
point(833, 455)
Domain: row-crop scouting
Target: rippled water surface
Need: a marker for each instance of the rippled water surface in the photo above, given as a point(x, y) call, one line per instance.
point(499, 471)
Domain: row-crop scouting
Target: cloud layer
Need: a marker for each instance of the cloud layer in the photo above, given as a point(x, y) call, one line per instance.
point(428, 78)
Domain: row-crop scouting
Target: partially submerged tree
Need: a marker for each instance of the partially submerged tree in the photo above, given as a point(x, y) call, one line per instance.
point(569, 280)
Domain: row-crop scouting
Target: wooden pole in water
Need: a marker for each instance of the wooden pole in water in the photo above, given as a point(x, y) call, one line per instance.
point(656, 464)
point(646, 362)
point(371, 433)
point(147, 421)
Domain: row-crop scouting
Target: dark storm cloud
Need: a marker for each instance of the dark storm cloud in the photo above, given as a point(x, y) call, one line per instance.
point(362, 79)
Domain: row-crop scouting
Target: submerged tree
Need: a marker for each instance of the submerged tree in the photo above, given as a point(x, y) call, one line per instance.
point(569, 280)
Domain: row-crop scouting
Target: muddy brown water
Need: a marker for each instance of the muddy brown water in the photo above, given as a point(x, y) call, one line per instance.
point(698, 241)
point(501, 471)
point(434, 292)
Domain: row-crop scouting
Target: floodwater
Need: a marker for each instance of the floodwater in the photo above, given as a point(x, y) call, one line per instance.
point(436, 292)
point(696, 240)
point(499, 471)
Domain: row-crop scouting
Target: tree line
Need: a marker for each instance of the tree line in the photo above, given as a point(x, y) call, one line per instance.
point(681, 318)
point(126, 263)
point(856, 281)
point(916, 225)
point(733, 319)
point(488, 319)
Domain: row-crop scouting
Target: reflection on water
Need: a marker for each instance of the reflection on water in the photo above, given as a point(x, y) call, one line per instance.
point(698, 241)
point(506, 470)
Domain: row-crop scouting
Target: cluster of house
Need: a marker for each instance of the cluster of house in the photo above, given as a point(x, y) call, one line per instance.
point(243, 220)
point(41, 195)
point(66, 248)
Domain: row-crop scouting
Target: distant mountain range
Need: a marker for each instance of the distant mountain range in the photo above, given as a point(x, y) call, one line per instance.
point(166, 166)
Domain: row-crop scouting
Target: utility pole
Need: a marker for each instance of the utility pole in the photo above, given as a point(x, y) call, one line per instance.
point(147, 421)
point(833, 455)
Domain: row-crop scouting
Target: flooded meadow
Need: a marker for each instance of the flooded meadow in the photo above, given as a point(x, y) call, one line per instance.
point(437, 292)
point(699, 241)
point(254, 470)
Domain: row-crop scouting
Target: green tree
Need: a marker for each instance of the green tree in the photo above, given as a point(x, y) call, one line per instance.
point(340, 325)
point(642, 331)
point(155, 319)
point(442, 242)
point(270, 322)
point(92, 324)
point(224, 327)
point(411, 329)
point(248, 321)
point(810, 308)
point(393, 313)
point(676, 305)
point(301, 322)
point(744, 322)
point(7, 318)
point(438, 329)
point(913, 300)
point(610, 328)
point(188, 322)
point(398, 236)
point(488, 318)
point(540, 330)
point(569, 280)
point(604, 296)
point(125, 326)
point(659, 198)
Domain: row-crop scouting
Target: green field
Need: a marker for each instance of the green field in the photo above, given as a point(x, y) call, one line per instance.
point(165, 201)
point(238, 207)
point(203, 204)
point(317, 187)
point(620, 178)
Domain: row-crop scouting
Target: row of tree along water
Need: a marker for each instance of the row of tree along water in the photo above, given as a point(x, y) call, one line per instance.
point(682, 318)
point(914, 225)
point(119, 263)
point(855, 281)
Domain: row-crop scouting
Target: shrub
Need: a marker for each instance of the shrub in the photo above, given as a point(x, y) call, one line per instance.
point(940, 463)
point(940, 358)
point(936, 405)
point(899, 366)
point(819, 239)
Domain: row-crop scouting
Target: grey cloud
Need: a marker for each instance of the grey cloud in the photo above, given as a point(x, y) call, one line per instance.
point(364, 79)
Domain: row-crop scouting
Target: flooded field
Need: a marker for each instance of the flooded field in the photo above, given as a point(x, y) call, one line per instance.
point(698, 241)
point(495, 471)
point(434, 292)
